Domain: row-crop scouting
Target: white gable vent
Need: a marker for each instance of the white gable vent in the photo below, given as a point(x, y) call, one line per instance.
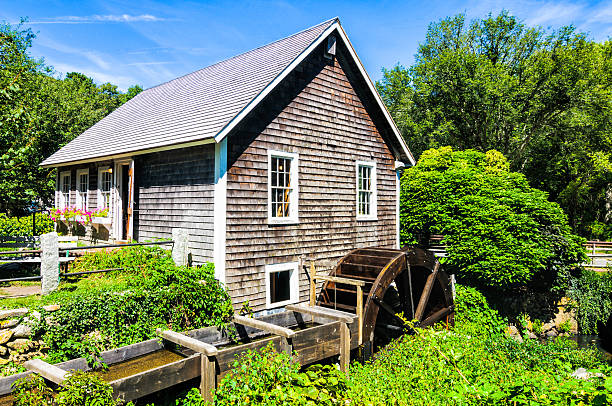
point(330, 49)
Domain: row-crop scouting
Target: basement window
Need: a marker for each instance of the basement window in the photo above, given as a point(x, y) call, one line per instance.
point(82, 188)
point(366, 190)
point(282, 187)
point(64, 188)
point(282, 284)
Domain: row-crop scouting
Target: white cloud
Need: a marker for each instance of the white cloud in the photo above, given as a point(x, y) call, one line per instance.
point(96, 18)
point(149, 63)
point(553, 12)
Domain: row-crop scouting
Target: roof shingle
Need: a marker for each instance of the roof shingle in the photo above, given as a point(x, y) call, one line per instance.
point(190, 108)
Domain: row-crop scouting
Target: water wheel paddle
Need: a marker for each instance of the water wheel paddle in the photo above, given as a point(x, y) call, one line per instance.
point(409, 282)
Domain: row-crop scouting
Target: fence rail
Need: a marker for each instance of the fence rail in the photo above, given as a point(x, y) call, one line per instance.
point(51, 256)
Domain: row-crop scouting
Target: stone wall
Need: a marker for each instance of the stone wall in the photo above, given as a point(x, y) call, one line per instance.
point(16, 342)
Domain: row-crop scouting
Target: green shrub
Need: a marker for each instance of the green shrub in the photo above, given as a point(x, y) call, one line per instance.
point(22, 226)
point(474, 317)
point(448, 367)
point(499, 231)
point(155, 293)
point(591, 291)
point(192, 398)
point(79, 389)
point(268, 378)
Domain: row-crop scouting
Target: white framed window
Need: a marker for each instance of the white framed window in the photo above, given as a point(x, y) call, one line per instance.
point(365, 173)
point(82, 190)
point(105, 187)
point(64, 189)
point(282, 284)
point(282, 187)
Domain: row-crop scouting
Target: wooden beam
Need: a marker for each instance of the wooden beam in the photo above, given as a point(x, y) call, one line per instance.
point(47, 371)
point(188, 342)
point(359, 315)
point(313, 284)
point(418, 314)
point(262, 325)
point(345, 347)
point(337, 279)
point(322, 312)
point(208, 379)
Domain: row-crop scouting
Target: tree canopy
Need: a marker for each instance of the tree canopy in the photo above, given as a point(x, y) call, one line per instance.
point(500, 232)
point(39, 114)
point(543, 99)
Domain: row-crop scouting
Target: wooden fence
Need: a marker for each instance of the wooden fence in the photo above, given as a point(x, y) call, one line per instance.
point(54, 257)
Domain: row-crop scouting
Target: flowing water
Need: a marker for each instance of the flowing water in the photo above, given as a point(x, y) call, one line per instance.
point(136, 365)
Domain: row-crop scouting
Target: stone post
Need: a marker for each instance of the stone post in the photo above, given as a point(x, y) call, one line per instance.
point(49, 262)
point(180, 249)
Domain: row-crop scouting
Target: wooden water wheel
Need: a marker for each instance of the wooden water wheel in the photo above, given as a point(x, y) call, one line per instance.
point(409, 282)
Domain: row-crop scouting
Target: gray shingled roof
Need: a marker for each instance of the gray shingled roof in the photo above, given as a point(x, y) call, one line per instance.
point(190, 108)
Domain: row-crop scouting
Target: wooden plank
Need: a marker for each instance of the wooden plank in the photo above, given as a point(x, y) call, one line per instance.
point(47, 371)
point(360, 314)
point(431, 278)
point(313, 284)
point(346, 281)
point(345, 347)
point(322, 312)
point(262, 325)
point(188, 342)
point(154, 380)
point(227, 356)
point(317, 335)
point(208, 379)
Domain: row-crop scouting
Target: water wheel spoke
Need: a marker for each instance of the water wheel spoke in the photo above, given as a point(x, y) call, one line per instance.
point(420, 310)
point(389, 310)
point(437, 316)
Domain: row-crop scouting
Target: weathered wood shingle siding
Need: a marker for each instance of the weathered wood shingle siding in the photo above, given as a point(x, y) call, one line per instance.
point(174, 189)
point(319, 113)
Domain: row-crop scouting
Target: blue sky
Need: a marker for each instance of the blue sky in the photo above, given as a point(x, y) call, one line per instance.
point(149, 42)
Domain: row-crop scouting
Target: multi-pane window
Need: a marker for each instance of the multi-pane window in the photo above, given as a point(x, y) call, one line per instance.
point(282, 284)
point(366, 190)
point(64, 187)
point(105, 184)
point(82, 188)
point(282, 187)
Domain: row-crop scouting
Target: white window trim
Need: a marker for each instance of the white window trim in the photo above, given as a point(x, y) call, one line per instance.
point(374, 203)
point(79, 192)
point(102, 169)
point(63, 204)
point(294, 174)
point(294, 283)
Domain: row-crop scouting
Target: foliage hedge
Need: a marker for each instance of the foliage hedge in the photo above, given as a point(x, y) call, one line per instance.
point(153, 293)
point(499, 231)
point(475, 363)
point(592, 293)
point(22, 226)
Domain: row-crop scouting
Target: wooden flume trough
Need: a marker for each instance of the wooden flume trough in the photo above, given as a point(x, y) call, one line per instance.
point(314, 333)
point(335, 322)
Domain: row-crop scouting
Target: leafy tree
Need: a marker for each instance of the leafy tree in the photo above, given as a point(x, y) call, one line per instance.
point(543, 99)
point(39, 114)
point(500, 232)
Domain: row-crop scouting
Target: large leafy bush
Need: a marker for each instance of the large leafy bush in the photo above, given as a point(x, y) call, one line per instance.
point(22, 226)
point(592, 293)
point(499, 231)
point(153, 293)
point(267, 378)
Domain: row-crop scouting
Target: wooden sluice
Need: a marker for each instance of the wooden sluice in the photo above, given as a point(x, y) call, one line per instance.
point(137, 370)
